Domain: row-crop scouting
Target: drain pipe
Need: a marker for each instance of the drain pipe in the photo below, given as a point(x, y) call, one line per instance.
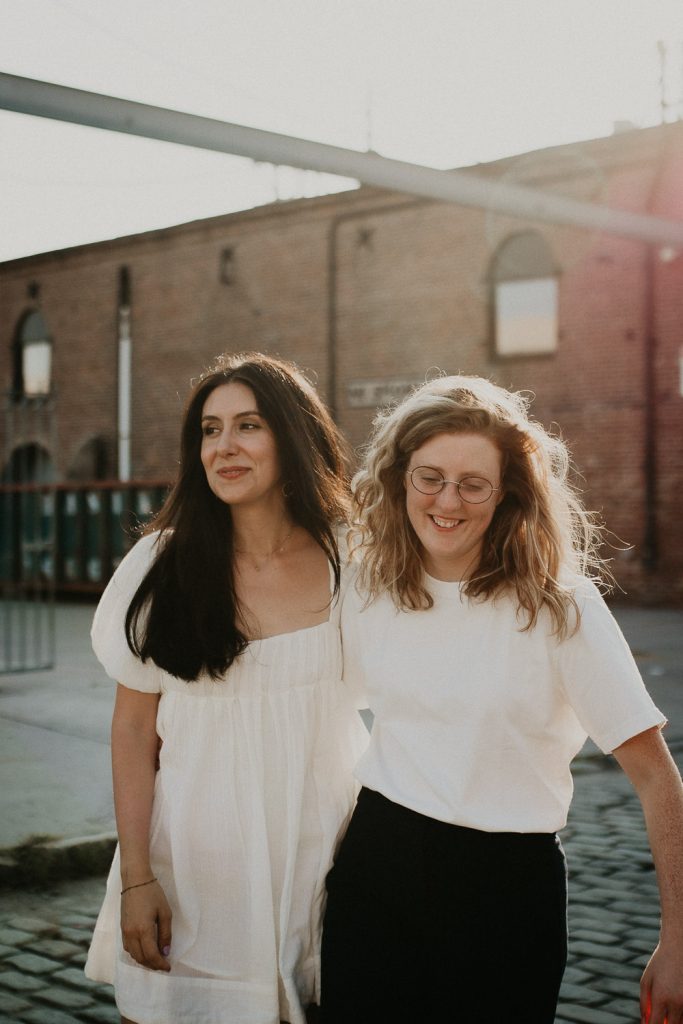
point(124, 376)
point(650, 558)
point(650, 553)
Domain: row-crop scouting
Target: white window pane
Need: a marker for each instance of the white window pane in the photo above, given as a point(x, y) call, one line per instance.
point(526, 317)
point(36, 366)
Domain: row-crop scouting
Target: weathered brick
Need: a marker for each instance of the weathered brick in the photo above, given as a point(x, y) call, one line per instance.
point(410, 287)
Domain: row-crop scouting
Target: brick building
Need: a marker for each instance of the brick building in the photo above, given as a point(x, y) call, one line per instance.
point(371, 291)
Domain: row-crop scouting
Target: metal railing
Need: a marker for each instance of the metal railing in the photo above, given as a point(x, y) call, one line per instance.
point(69, 535)
point(61, 539)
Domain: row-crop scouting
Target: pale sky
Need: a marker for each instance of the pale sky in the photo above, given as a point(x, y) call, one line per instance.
point(446, 83)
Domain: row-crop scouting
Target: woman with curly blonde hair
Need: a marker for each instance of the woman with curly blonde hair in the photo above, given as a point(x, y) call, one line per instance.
point(487, 655)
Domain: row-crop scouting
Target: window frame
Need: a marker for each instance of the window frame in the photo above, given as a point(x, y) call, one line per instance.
point(511, 264)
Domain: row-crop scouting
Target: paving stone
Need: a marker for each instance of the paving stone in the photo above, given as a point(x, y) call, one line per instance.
point(640, 932)
point(589, 935)
point(76, 979)
point(588, 898)
point(595, 965)
point(102, 1014)
point(590, 1015)
point(103, 991)
point(602, 950)
point(574, 975)
point(638, 907)
point(14, 937)
point(595, 919)
point(32, 964)
point(582, 994)
point(78, 935)
point(78, 920)
point(641, 945)
point(629, 1007)
point(35, 925)
point(78, 959)
point(20, 982)
point(56, 948)
point(12, 1004)
point(65, 998)
point(48, 1015)
point(608, 900)
point(615, 986)
point(652, 921)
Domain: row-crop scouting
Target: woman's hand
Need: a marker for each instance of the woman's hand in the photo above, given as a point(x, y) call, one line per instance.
point(661, 987)
point(146, 926)
point(145, 913)
point(651, 769)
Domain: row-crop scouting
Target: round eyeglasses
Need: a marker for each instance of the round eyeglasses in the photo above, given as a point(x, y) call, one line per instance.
point(473, 489)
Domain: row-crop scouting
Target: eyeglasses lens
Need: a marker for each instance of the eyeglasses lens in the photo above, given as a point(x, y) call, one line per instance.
point(473, 489)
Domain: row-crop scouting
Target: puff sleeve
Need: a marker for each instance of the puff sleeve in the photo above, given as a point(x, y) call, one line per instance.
point(108, 632)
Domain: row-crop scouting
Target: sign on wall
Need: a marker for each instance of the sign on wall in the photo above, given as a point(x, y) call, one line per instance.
point(369, 394)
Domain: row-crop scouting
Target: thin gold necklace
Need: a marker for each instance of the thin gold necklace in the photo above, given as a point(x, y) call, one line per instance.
point(267, 555)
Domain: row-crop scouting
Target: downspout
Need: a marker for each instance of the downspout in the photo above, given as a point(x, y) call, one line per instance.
point(124, 376)
point(650, 476)
point(650, 557)
point(332, 276)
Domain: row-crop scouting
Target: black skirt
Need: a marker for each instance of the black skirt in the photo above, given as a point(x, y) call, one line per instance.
point(431, 922)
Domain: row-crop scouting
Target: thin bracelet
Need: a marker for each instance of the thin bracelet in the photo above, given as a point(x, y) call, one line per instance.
point(138, 886)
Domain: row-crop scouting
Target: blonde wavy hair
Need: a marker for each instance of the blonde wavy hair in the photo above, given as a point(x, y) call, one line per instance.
point(540, 537)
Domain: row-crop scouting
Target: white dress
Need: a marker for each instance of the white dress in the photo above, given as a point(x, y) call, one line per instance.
point(254, 790)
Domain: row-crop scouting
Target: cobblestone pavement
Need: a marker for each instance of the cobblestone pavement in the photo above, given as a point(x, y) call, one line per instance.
point(613, 921)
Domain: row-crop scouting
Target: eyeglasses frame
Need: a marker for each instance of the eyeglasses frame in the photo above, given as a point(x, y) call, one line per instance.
point(456, 484)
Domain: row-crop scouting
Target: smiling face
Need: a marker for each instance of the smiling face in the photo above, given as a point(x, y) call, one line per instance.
point(238, 450)
point(451, 531)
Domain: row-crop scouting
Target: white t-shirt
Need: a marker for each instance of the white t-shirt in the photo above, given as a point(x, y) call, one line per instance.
point(476, 721)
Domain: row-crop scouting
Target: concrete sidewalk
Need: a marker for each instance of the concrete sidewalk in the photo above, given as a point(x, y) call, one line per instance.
point(56, 812)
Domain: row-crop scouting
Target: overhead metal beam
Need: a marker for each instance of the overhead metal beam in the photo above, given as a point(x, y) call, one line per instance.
point(62, 103)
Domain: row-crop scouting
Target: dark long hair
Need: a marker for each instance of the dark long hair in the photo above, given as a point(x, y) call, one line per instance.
point(184, 613)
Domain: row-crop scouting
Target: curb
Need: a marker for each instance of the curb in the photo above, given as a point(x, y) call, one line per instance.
point(42, 860)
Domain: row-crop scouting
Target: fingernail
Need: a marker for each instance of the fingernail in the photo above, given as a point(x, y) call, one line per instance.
point(166, 950)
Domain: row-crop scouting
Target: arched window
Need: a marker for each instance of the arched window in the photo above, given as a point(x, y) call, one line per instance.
point(32, 357)
point(524, 281)
point(94, 460)
point(29, 464)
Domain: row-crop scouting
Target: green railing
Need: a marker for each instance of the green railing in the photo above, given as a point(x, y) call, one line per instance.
point(70, 537)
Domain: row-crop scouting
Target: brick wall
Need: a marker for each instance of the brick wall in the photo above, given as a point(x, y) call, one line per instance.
point(400, 288)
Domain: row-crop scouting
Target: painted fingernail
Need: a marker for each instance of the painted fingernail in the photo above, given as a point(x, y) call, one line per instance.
point(166, 950)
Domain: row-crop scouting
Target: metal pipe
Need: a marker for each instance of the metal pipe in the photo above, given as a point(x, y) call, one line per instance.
point(44, 99)
point(124, 375)
point(650, 555)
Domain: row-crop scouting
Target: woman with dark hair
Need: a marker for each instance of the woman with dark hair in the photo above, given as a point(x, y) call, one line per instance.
point(487, 655)
point(221, 629)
